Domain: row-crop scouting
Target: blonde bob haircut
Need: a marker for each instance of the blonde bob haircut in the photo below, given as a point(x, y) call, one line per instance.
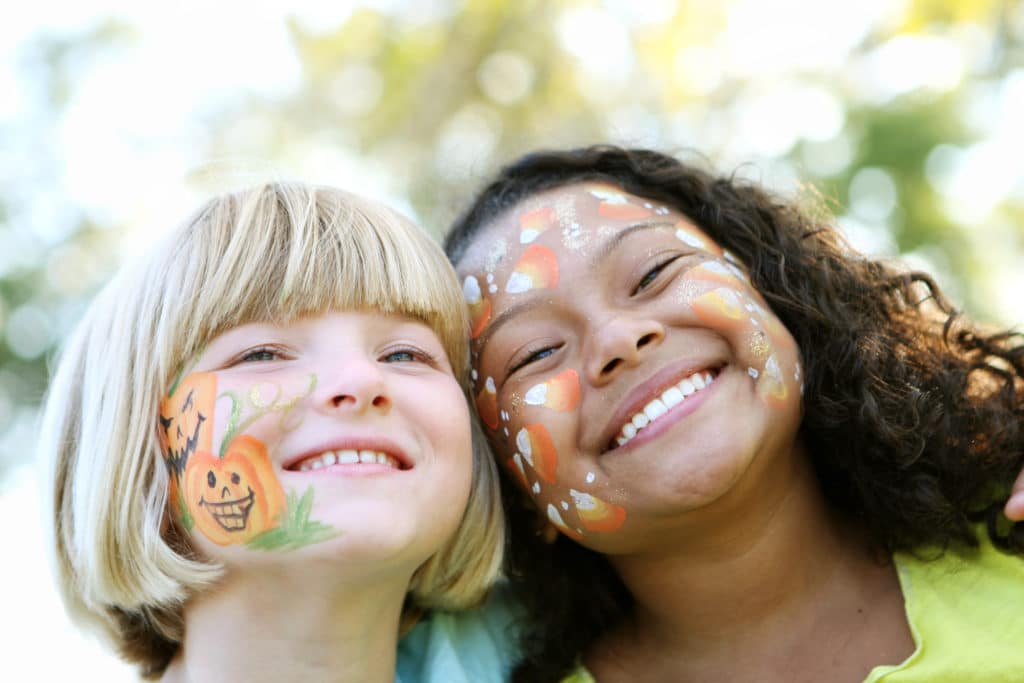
point(275, 252)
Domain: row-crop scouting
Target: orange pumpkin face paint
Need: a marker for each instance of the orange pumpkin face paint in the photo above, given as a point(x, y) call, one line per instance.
point(186, 419)
point(186, 427)
point(234, 498)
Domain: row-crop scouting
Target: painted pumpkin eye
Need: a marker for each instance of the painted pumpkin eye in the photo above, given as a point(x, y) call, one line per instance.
point(235, 478)
point(211, 479)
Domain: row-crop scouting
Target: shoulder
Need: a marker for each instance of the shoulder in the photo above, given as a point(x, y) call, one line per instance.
point(964, 610)
point(478, 645)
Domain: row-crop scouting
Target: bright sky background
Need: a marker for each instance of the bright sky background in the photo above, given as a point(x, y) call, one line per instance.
point(129, 144)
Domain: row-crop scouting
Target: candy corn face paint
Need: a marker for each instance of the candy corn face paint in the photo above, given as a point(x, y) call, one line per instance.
point(625, 366)
point(537, 269)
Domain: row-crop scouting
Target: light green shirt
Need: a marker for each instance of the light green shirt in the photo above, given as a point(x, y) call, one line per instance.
point(966, 614)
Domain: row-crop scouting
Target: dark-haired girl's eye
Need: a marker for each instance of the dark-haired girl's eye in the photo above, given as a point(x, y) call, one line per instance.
point(652, 275)
point(532, 356)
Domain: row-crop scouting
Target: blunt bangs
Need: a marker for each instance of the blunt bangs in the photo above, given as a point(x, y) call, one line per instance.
point(280, 252)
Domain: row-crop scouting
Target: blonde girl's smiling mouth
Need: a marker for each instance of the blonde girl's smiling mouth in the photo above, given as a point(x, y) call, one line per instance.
point(352, 457)
point(347, 456)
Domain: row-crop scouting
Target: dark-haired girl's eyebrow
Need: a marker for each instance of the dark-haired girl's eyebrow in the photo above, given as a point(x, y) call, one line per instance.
point(612, 242)
point(505, 316)
point(594, 259)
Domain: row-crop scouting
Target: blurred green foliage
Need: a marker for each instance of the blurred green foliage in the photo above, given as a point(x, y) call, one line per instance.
point(435, 96)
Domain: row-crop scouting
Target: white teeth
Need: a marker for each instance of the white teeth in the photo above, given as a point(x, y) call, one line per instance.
point(655, 409)
point(347, 457)
point(672, 397)
point(669, 398)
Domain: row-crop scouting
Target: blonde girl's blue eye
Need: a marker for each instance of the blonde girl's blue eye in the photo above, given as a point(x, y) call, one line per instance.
point(409, 355)
point(258, 355)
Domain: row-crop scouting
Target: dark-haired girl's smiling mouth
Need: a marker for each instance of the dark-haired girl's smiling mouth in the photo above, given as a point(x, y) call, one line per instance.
point(668, 399)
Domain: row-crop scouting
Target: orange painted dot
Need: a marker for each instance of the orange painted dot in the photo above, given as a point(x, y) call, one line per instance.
point(595, 514)
point(719, 305)
point(487, 404)
point(622, 211)
point(533, 223)
point(538, 450)
point(771, 385)
point(561, 392)
point(537, 268)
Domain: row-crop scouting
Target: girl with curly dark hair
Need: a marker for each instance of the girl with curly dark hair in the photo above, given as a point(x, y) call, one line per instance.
point(735, 448)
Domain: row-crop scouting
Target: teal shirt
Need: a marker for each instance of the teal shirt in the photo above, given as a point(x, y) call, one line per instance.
point(472, 646)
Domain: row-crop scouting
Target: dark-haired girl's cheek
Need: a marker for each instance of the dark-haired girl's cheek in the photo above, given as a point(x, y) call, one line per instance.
point(722, 298)
point(532, 441)
point(561, 392)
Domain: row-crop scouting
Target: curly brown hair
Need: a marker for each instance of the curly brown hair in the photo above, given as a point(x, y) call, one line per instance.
point(912, 414)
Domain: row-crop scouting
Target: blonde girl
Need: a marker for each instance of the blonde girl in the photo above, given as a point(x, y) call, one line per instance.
point(260, 446)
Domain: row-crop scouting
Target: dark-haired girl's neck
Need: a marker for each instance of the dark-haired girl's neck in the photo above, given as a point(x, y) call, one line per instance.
point(774, 587)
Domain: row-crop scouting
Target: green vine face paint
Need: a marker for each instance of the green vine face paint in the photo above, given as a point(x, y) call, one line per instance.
point(343, 426)
point(625, 367)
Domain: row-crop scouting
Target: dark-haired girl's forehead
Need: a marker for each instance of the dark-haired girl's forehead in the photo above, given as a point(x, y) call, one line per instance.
point(579, 213)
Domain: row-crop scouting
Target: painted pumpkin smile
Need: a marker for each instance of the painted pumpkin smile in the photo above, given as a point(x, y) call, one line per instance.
point(247, 497)
point(232, 515)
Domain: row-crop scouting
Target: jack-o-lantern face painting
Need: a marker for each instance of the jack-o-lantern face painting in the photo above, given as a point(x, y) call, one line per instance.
point(234, 498)
point(223, 483)
point(186, 425)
